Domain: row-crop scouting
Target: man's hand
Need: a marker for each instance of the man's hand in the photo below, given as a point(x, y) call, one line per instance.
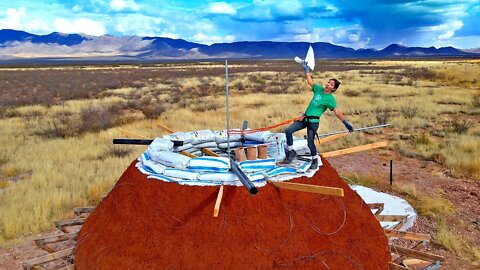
point(305, 67)
point(348, 125)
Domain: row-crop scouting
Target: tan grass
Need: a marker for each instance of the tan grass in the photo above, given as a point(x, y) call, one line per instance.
point(453, 241)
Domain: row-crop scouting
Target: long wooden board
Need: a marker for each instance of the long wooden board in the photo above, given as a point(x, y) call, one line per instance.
point(416, 254)
point(132, 134)
point(330, 138)
point(392, 218)
point(354, 149)
point(165, 128)
point(408, 235)
point(309, 188)
point(47, 258)
point(394, 266)
point(216, 209)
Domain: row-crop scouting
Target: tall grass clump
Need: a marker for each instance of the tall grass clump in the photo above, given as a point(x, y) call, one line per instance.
point(453, 241)
point(476, 100)
point(408, 111)
point(425, 205)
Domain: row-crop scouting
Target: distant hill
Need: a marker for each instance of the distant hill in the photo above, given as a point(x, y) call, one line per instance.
point(18, 45)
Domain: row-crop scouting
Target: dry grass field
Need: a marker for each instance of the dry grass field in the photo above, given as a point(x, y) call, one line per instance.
point(57, 123)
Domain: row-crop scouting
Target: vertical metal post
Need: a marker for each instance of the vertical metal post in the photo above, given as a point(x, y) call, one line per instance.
point(391, 172)
point(228, 105)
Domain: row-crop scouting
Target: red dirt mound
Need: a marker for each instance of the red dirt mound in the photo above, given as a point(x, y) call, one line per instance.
point(149, 224)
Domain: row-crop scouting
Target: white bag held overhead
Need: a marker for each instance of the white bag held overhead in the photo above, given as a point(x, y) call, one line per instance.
point(214, 164)
point(172, 159)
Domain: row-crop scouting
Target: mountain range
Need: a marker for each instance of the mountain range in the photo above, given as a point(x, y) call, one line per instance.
point(20, 45)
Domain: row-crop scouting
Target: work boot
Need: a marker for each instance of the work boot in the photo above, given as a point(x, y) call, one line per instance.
point(314, 164)
point(291, 154)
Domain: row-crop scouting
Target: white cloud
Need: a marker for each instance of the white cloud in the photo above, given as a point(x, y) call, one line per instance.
point(13, 18)
point(141, 25)
point(205, 39)
point(119, 5)
point(221, 8)
point(445, 31)
point(83, 26)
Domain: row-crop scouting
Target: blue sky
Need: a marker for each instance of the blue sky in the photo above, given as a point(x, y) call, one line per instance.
point(351, 23)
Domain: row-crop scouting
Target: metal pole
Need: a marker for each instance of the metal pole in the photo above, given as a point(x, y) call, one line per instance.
point(391, 172)
point(228, 105)
point(356, 129)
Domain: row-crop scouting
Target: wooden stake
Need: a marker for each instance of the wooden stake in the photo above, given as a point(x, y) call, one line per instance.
point(129, 133)
point(209, 152)
point(47, 258)
point(408, 235)
point(309, 188)
point(216, 209)
point(185, 153)
point(392, 218)
point(416, 254)
point(165, 128)
point(330, 138)
point(354, 149)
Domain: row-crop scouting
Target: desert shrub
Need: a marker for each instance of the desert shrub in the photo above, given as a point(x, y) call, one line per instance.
point(153, 111)
point(351, 93)
point(461, 126)
point(408, 111)
point(95, 119)
point(117, 151)
point(61, 125)
point(382, 116)
point(422, 139)
point(476, 100)
point(205, 106)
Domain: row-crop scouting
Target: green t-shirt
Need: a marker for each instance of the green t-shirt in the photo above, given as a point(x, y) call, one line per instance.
point(320, 103)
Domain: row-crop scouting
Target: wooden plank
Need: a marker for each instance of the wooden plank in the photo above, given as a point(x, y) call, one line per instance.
point(354, 149)
point(330, 138)
point(378, 206)
point(216, 209)
point(165, 128)
point(409, 262)
point(47, 258)
point(309, 188)
point(56, 238)
point(408, 235)
point(185, 153)
point(392, 218)
point(394, 266)
point(70, 222)
point(132, 134)
point(416, 254)
point(209, 152)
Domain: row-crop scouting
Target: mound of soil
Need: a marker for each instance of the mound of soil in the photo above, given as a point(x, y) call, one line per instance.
point(149, 224)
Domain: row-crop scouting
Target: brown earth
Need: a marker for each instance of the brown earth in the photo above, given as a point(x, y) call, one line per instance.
point(149, 224)
point(427, 176)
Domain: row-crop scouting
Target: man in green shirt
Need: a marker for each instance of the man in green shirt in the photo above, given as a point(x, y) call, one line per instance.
point(321, 101)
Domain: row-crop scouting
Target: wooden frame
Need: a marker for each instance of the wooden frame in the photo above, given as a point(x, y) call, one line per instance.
point(354, 149)
point(309, 188)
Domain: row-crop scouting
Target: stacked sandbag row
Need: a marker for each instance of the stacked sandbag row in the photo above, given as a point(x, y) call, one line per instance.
point(163, 161)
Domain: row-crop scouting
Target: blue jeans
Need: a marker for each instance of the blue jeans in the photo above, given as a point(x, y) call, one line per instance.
point(311, 130)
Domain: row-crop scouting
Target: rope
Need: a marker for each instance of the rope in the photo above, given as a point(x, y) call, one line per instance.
point(241, 132)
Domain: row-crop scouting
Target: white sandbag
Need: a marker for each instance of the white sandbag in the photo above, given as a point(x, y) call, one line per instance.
point(262, 136)
point(179, 136)
point(305, 166)
point(150, 166)
point(257, 165)
point(217, 176)
point(276, 151)
point(202, 136)
point(172, 160)
point(281, 170)
point(221, 137)
point(214, 164)
point(255, 177)
point(232, 145)
point(159, 145)
point(206, 145)
point(301, 147)
point(184, 147)
point(183, 174)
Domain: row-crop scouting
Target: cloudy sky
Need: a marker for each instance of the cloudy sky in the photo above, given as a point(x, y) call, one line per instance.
point(351, 23)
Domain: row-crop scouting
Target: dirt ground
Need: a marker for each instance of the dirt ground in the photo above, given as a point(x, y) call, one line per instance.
point(428, 177)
